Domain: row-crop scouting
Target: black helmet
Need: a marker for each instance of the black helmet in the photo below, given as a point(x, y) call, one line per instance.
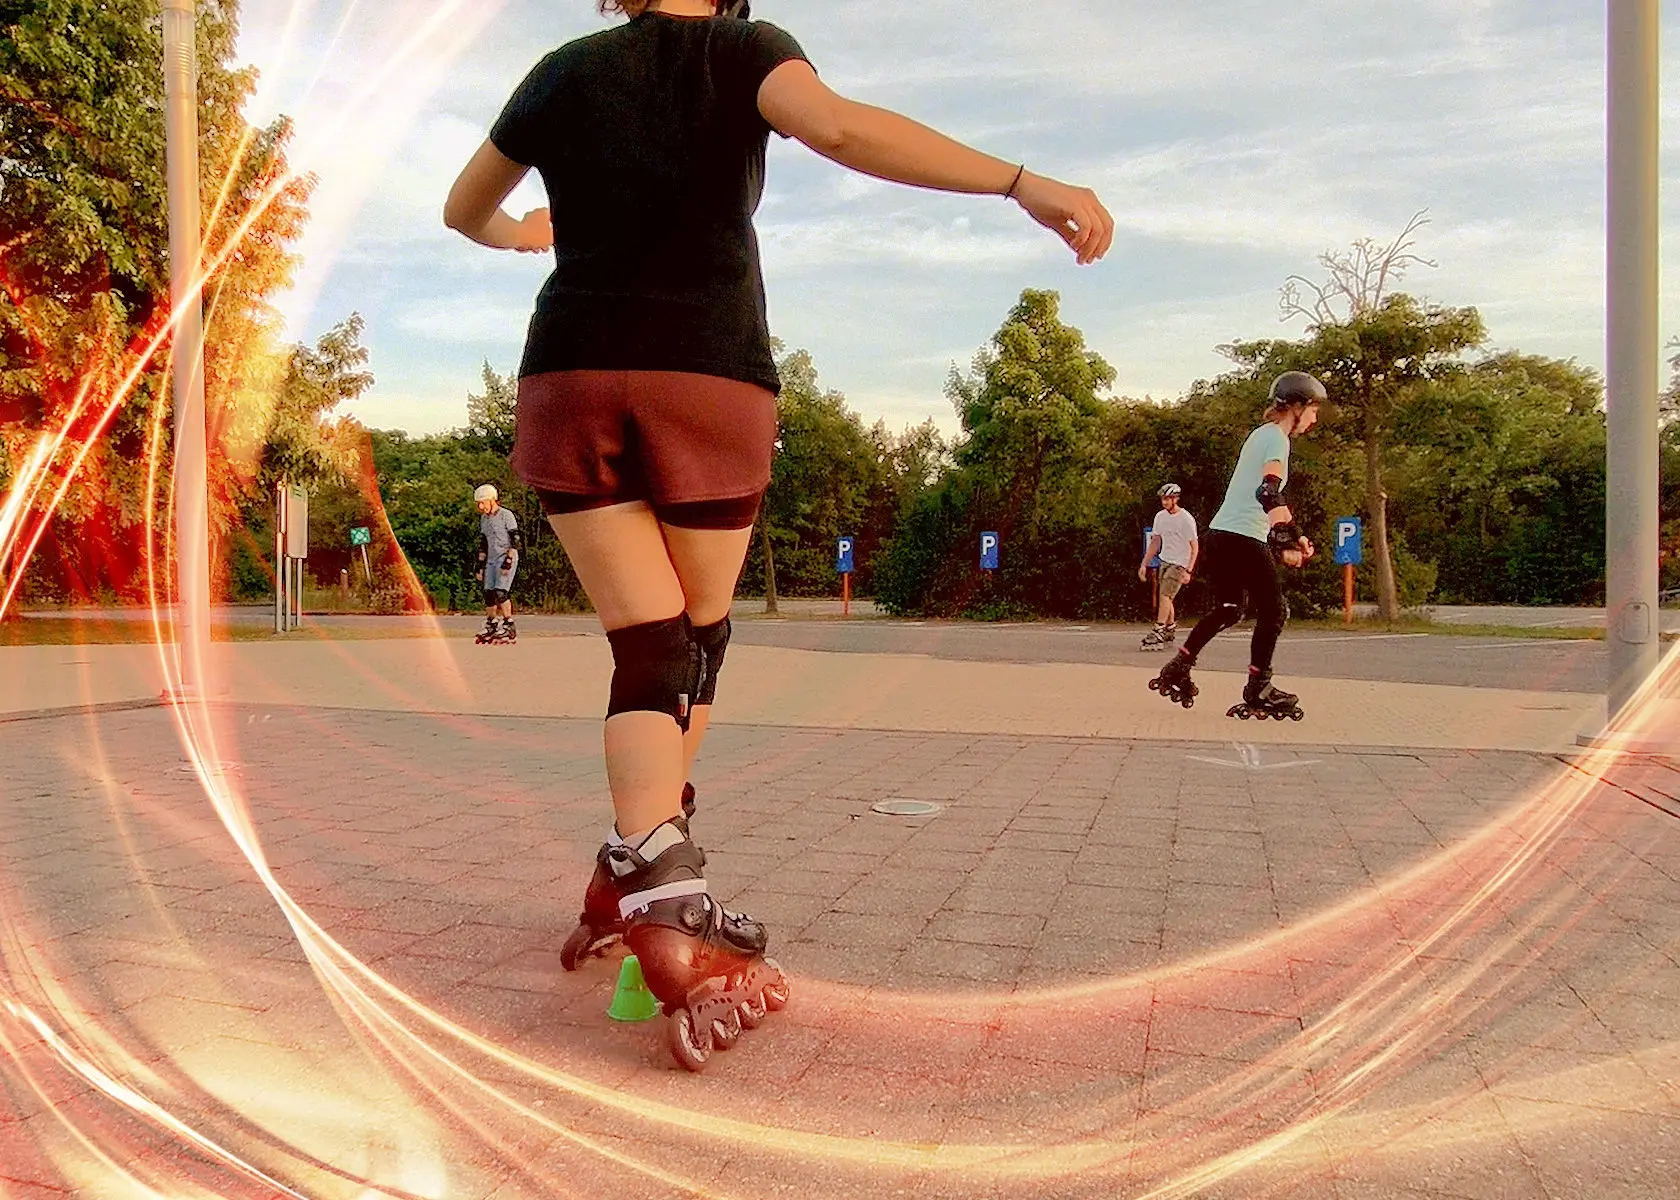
point(1297, 387)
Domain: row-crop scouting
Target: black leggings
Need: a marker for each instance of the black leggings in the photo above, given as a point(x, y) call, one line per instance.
point(1237, 565)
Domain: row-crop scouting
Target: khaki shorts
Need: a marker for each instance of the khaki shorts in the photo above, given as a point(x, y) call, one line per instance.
point(1173, 577)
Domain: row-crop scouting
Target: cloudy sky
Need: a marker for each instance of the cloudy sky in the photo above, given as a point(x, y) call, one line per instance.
point(1233, 141)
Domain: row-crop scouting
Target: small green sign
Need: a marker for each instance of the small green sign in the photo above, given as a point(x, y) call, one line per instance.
point(360, 536)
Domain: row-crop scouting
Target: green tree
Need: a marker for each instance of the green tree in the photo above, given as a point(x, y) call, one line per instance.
point(822, 476)
point(1029, 463)
point(1500, 475)
point(83, 271)
point(1373, 348)
point(490, 416)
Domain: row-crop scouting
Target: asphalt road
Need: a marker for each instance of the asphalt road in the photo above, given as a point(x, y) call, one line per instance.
point(1538, 664)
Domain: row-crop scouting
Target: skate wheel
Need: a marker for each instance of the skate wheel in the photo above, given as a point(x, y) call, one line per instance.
point(726, 1030)
point(576, 948)
point(752, 1011)
point(690, 1046)
point(1297, 715)
point(1154, 685)
point(1189, 703)
point(776, 993)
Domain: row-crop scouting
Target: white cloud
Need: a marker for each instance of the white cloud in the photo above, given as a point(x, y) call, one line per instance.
point(1233, 142)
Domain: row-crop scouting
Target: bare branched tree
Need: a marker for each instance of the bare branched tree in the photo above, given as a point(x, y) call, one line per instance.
point(1357, 279)
point(1669, 401)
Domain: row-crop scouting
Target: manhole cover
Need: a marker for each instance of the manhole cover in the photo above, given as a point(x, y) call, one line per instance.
point(906, 808)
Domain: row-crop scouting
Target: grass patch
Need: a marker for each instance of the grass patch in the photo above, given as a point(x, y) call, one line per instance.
point(1574, 633)
point(74, 631)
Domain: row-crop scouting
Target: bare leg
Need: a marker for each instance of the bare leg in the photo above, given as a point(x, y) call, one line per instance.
point(708, 564)
point(620, 557)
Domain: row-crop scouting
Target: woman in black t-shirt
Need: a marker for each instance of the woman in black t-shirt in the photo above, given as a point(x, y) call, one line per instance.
point(646, 412)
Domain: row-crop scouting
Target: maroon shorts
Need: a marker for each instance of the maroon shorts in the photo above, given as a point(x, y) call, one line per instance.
point(694, 447)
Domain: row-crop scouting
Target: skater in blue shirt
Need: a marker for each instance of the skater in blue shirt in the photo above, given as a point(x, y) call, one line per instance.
point(1252, 532)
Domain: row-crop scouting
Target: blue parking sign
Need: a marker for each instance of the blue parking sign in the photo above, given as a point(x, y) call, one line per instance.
point(989, 551)
point(1350, 536)
point(1154, 564)
point(843, 562)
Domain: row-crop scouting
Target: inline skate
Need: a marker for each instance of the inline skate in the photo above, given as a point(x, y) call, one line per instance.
point(1160, 637)
point(703, 963)
point(1263, 701)
point(487, 635)
point(506, 634)
point(600, 927)
point(1174, 681)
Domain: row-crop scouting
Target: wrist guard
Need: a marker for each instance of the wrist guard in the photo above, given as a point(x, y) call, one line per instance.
point(1283, 537)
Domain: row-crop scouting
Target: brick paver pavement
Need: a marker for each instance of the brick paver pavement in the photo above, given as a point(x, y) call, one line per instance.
point(1105, 968)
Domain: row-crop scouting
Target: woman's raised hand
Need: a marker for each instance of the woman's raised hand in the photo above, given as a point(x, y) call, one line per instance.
point(536, 233)
point(1073, 213)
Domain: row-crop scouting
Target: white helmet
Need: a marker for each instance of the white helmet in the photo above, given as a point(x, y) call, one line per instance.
point(1170, 489)
point(486, 491)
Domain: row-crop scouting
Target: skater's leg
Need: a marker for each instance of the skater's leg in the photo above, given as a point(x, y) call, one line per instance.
point(1225, 575)
point(708, 564)
point(1266, 589)
point(622, 561)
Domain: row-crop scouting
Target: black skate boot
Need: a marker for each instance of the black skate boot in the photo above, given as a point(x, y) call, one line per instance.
point(1156, 639)
point(1262, 700)
point(1174, 681)
point(599, 926)
point(1169, 632)
point(506, 634)
point(487, 634)
point(703, 963)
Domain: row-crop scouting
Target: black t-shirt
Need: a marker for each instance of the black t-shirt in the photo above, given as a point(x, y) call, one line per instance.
point(650, 143)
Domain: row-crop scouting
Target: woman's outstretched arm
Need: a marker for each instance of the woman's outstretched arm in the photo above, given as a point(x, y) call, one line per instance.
point(888, 146)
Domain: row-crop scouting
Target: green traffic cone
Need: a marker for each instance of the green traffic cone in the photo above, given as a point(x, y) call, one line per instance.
point(631, 999)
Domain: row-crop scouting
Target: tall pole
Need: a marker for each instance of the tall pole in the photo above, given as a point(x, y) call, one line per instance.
point(191, 476)
point(1633, 354)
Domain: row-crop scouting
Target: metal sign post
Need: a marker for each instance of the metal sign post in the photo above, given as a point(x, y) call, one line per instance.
point(360, 536)
point(843, 564)
point(1350, 553)
point(297, 544)
point(291, 547)
point(281, 608)
point(1154, 568)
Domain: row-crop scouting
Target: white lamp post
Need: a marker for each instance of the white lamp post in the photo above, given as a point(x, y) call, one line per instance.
point(191, 477)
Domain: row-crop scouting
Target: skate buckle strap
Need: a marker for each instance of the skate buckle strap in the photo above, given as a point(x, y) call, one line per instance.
point(630, 905)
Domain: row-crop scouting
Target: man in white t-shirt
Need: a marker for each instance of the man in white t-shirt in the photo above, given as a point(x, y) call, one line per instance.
point(1174, 539)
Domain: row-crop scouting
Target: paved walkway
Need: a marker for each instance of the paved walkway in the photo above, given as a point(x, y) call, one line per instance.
point(1112, 964)
point(567, 676)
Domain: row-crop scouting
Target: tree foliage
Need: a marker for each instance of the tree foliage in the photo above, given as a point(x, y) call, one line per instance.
point(84, 287)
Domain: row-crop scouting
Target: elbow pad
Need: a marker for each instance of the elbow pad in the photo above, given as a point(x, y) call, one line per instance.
point(1270, 493)
point(515, 541)
point(1283, 537)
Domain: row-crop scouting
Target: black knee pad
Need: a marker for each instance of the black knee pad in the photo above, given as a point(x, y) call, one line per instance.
point(493, 597)
point(1228, 615)
point(714, 640)
point(656, 668)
